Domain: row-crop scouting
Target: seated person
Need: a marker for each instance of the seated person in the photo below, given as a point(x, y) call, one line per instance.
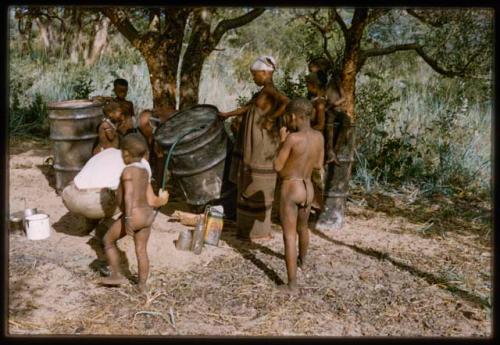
point(108, 128)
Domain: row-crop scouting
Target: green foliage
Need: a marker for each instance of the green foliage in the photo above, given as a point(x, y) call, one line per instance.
point(83, 87)
point(290, 87)
point(425, 132)
point(31, 121)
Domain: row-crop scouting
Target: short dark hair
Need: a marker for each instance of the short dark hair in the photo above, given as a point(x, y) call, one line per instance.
point(300, 107)
point(135, 144)
point(121, 82)
point(111, 107)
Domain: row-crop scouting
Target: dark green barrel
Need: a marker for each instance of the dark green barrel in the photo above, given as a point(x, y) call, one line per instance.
point(73, 132)
point(199, 159)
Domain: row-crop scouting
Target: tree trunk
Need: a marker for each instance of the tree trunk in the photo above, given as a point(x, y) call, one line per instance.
point(338, 177)
point(44, 34)
point(99, 42)
point(162, 62)
point(192, 62)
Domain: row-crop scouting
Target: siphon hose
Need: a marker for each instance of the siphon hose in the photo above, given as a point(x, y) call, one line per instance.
point(169, 156)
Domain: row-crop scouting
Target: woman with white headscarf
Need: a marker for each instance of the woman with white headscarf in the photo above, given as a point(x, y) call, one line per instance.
point(254, 151)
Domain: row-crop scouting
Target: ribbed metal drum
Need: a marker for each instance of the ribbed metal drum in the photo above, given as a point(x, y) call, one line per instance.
point(73, 132)
point(198, 159)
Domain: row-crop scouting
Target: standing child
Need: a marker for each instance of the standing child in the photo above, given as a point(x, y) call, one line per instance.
point(299, 154)
point(137, 212)
point(316, 87)
point(108, 135)
point(120, 88)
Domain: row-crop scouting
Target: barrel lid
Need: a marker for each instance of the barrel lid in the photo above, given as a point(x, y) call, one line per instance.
point(74, 104)
point(201, 116)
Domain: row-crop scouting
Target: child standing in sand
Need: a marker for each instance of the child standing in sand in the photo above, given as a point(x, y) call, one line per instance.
point(300, 152)
point(137, 212)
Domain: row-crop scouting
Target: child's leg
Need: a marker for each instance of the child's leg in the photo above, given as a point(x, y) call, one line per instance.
point(141, 242)
point(288, 216)
point(303, 230)
point(115, 232)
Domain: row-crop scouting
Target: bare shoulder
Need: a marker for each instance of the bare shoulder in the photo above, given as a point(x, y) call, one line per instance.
point(128, 173)
point(132, 172)
point(317, 135)
point(293, 137)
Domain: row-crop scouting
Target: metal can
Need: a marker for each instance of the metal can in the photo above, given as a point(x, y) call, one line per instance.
point(197, 242)
point(214, 221)
point(184, 240)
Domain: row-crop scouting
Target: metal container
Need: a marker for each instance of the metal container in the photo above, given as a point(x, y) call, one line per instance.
point(16, 224)
point(199, 159)
point(197, 242)
point(30, 212)
point(214, 221)
point(184, 240)
point(73, 131)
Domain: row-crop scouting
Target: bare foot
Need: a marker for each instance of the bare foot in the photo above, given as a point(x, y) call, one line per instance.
point(116, 280)
point(288, 289)
point(142, 287)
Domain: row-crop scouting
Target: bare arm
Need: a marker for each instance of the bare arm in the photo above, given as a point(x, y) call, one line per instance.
point(318, 173)
point(280, 98)
point(283, 153)
point(131, 108)
point(156, 201)
point(128, 191)
point(106, 134)
point(341, 95)
point(320, 115)
point(238, 112)
point(321, 157)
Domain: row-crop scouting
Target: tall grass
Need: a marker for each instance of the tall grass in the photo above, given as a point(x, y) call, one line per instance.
point(432, 132)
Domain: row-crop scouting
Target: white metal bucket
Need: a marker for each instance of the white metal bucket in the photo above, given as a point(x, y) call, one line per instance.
point(37, 227)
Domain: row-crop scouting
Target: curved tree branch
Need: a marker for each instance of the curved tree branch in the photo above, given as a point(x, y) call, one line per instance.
point(433, 63)
point(233, 23)
point(424, 19)
point(377, 13)
point(323, 31)
point(336, 17)
point(123, 24)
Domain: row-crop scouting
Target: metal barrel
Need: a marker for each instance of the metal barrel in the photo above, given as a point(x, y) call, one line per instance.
point(73, 132)
point(199, 159)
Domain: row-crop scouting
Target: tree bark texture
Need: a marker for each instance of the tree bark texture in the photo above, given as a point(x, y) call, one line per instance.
point(338, 177)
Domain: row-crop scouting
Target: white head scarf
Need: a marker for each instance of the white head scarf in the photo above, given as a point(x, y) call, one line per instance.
point(264, 63)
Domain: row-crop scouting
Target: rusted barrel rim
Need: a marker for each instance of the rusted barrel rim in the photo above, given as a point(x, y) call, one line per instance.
point(195, 135)
point(73, 104)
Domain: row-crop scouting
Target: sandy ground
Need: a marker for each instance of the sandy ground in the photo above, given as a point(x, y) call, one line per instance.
point(399, 267)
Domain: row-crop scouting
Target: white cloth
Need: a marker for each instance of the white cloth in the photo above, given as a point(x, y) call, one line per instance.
point(264, 63)
point(104, 170)
point(142, 166)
